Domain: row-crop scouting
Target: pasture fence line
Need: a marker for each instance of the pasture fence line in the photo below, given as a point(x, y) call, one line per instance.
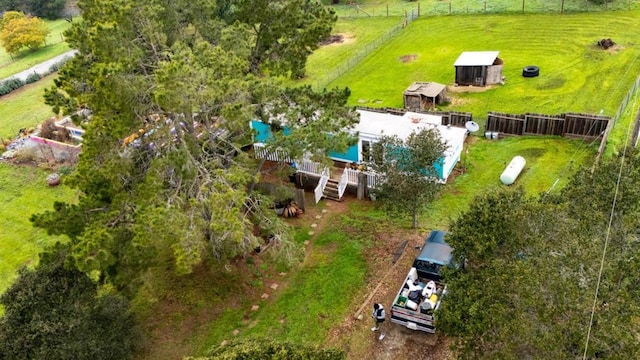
point(364, 52)
point(350, 9)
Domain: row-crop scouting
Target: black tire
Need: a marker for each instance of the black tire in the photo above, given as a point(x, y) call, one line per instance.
point(531, 71)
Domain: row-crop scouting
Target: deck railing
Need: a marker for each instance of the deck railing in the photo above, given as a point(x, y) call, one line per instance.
point(319, 190)
point(261, 152)
point(310, 167)
point(342, 185)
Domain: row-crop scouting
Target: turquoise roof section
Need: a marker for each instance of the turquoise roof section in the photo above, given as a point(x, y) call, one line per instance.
point(263, 131)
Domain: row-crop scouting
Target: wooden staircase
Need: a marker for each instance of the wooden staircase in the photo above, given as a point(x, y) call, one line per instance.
point(331, 190)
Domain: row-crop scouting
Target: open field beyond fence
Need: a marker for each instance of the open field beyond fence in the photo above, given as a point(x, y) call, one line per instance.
point(384, 8)
point(575, 74)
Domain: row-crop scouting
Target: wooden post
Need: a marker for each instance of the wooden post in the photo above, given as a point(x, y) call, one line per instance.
point(299, 197)
point(523, 6)
point(449, 7)
point(387, 10)
point(418, 8)
point(362, 186)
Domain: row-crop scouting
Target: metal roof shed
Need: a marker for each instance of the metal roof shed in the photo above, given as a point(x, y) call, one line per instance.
point(424, 95)
point(478, 68)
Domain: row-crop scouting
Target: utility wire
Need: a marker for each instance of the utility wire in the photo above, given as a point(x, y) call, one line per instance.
point(606, 240)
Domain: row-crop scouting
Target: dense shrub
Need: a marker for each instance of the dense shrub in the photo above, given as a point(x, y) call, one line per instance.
point(48, 9)
point(33, 77)
point(9, 85)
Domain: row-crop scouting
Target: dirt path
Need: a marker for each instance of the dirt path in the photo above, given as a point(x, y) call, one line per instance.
point(354, 333)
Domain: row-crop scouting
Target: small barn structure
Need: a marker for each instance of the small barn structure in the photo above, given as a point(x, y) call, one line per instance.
point(424, 95)
point(478, 68)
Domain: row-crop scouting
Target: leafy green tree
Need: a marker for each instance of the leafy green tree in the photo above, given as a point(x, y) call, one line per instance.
point(285, 31)
point(55, 312)
point(533, 266)
point(162, 174)
point(408, 170)
point(259, 348)
point(48, 9)
point(19, 31)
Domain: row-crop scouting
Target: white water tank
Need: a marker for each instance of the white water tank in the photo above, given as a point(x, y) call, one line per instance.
point(512, 171)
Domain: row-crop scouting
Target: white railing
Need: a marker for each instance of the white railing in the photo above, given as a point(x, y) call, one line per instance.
point(352, 176)
point(342, 185)
point(310, 167)
point(372, 180)
point(261, 152)
point(319, 190)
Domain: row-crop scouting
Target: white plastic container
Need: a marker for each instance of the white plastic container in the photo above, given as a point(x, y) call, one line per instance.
point(411, 305)
point(510, 174)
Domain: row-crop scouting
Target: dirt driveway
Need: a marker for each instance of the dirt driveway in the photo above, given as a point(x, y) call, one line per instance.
point(399, 343)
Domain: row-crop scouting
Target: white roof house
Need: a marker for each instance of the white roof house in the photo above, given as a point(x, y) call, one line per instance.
point(373, 125)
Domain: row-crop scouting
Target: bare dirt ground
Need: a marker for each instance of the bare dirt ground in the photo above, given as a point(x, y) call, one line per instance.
point(354, 333)
point(338, 39)
point(407, 58)
point(471, 89)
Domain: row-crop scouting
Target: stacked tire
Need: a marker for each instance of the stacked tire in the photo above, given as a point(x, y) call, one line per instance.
point(530, 71)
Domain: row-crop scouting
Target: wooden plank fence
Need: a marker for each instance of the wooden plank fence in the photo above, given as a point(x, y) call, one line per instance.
point(585, 125)
point(505, 123)
point(539, 124)
point(569, 124)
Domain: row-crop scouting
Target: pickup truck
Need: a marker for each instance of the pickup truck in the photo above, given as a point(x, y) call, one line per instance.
point(423, 288)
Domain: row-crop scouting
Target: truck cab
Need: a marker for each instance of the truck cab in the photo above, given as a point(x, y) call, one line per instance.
point(420, 295)
point(435, 254)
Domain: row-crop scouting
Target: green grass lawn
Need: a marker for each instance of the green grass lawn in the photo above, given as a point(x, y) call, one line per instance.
point(55, 46)
point(316, 294)
point(575, 75)
point(373, 8)
point(550, 163)
point(23, 192)
point(360, 36)
point(24, 108)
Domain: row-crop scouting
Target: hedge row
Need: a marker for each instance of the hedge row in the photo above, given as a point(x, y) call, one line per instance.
point(11, 84)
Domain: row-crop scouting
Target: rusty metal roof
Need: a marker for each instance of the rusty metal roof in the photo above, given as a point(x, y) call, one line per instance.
point(430, 89)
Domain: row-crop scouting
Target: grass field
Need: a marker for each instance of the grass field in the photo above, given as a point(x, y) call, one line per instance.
point(550, 163)
point(337, 261)
point(24, 191)
point(55, 46)
point(575, 74)
point(24, 108)
point(379, 8)
point(360, 36)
